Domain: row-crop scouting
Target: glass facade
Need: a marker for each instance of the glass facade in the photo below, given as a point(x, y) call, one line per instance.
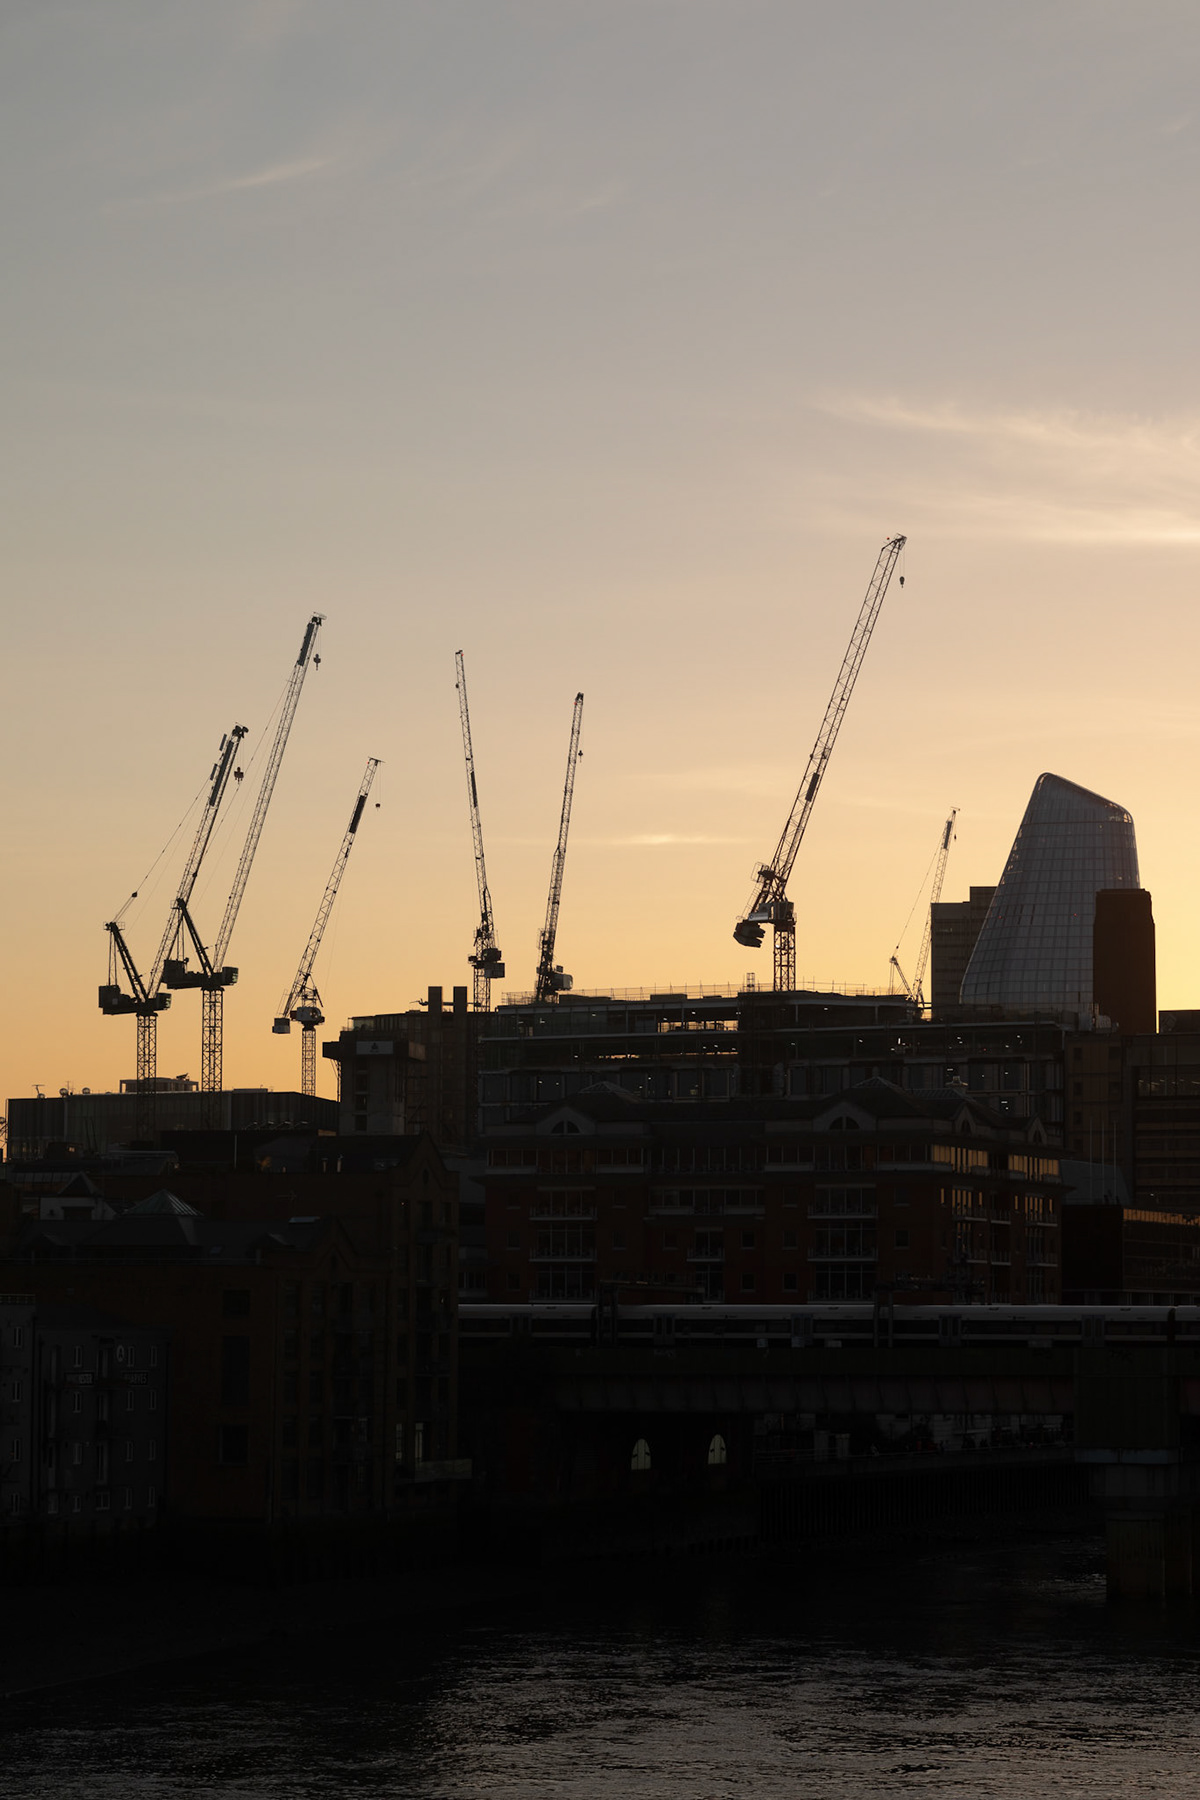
point(1034, 951)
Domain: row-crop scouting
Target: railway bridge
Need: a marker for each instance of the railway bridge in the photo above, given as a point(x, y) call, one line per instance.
point(683, 1425)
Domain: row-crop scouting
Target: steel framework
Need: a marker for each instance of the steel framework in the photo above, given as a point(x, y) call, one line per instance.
point(916, 988)
point(550, 980)
point(769, 904)
point(487, 961)
point(303, 1002)
point(214, 976)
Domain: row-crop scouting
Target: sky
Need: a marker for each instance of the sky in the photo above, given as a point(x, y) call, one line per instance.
point(607, 341)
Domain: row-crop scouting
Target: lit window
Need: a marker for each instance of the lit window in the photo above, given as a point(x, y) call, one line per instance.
point(640, 1457)
point(717, 1453)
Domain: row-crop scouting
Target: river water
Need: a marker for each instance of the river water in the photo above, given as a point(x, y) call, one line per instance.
point(968, 1667)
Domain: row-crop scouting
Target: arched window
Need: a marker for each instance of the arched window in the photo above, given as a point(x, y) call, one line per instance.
point(640, 1459)
point(717, 1453)
point(843, 1124)
point(565, 1127)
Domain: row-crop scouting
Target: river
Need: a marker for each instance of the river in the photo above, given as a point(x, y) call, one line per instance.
point(967, 1666)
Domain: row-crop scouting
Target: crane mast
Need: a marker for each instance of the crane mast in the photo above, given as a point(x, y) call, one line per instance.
point(213, 976)
point(915, 988)
point(144, 998)
point(550, 978)
point(769, 904)
point(487, 962)
point(303, 1002)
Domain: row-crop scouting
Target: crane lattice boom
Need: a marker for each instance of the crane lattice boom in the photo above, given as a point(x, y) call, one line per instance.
point(487, 962)
point(769, 904)
point(218, 782)
point(935, 894)
point(551, 980)
point(302, 996)
point(267, 788)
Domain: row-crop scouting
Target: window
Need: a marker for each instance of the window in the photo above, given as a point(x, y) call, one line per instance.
point(639, 1460)
point(233, 1444)
point(235, 1303)
point(129, 1400)
point(18, 1336)
point(15, 1450)
point(718, 1455)
point(76, 1455)
point(76, 1402)
point(789, 1284)
point(52, 1504)
point(153, 1399)
point(102, 1461)
point(128, 1499)
point(747, 1282)
point(129, 1450)
point(514, 1240)
point(151, 1497)
point(235, 1371)
point(902, 1240)
point(16, 1390)
point(747, 1240)
point(290, 1433)
point(78, 1359)
point(152, 1455)
point(153, 1357)
point(103, 1500)
point(789, 1240)
point(514, 1280)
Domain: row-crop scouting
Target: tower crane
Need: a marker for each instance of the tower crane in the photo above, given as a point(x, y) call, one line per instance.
point(915, 988)
point(212, 976)
point(550, 978)
point(144, 998)
point(769, 904)
point(488, 961)
point(303, 1002)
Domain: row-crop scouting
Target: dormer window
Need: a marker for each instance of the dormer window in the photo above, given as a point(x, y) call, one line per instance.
point(565, 1127)
point(845, 1123)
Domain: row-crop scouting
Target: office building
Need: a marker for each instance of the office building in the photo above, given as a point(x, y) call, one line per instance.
point(1034, 951)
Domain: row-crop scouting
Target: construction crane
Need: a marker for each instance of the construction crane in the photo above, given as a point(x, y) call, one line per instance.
point(144, 998)
point(303, 1002)
point(212, 976)
point(915, 988)
point(769, 904)
point(550, 978)
point(487, 961)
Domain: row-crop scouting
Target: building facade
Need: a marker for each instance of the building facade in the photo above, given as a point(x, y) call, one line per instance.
point(1034, 953)
point(84, 1415)
point(313, 1352)
point(773, 1202)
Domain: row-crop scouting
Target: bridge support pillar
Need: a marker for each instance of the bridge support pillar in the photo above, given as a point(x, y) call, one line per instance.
point(1151, 1516)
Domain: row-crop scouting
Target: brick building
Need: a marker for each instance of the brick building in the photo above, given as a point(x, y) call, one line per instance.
point(83, 1415)
point(313, 1362)
point(773, 1201)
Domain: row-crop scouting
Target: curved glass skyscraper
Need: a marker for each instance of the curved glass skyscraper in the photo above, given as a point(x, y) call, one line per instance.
point(1034, 951)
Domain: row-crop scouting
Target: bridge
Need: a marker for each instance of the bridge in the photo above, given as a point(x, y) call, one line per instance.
point(786, 1423)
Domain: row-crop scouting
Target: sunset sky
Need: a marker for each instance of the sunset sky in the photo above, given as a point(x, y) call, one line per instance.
point(606, 341)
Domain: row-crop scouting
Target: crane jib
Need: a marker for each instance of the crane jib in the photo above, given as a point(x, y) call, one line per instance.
point(358, 813)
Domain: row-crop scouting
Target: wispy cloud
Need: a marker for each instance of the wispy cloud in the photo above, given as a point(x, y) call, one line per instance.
point(1055, 476)
point(275, 175)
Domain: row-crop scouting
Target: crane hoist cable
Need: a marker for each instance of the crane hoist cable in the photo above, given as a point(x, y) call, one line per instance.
point(769, 904)
point(487, 960)
point(550, 978)
point(303, 1001)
